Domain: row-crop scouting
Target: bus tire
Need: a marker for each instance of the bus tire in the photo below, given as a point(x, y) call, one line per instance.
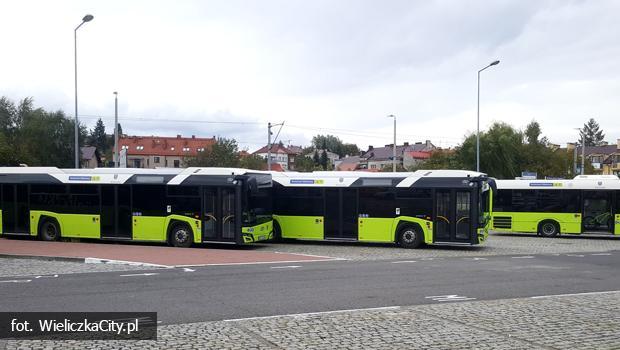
point(49, 230)
point(277, 232)
point(548, 228)
point(180, 235)
point(410, 236)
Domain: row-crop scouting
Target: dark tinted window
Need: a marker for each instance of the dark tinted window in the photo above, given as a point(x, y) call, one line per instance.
point(48, 188)
point(300, 201)
point(183, 191)
point(414, 202)
point(377, 202)
point(149, 200)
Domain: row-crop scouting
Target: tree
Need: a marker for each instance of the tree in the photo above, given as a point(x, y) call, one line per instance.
point(591, 134)
point(316, 158)
point(223, 153)
point(305, 163)
point(532, 133)
point(98, 137)
point(253, 161)
point(335, 145)
point(324, 160)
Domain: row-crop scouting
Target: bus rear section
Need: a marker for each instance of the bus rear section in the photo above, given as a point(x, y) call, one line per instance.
point(175, 206)
point(586, 204)
point(411, 209)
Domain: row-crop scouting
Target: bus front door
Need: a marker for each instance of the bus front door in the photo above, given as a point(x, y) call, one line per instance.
point(452, 217)
point(220, 214)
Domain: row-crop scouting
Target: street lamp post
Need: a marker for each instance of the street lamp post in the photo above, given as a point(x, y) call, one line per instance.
point(394, 145)
point(86, 18)
point(478, 114)
point(116, 155)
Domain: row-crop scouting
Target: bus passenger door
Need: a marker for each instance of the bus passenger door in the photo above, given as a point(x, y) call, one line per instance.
point(220, 214)
point(597, 212)
point(116, 212)
point(341, 213)
point(452, 220)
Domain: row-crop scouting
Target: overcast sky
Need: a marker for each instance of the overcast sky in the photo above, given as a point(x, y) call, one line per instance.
point(337, 67)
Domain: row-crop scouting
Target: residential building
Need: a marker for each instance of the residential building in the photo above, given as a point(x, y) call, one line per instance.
point(332, 158)
point(279, 155)
point(162, 152)
point(350, 164)
point(406, 155)
point(604, 159)
point(90, 157)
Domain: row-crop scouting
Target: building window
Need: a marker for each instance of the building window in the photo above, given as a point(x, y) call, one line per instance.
point(156, 159)
point(125, 147)
point(172, 148)
point(201, 149)
point(177, 163)
point(185, 149)
point(139, 148)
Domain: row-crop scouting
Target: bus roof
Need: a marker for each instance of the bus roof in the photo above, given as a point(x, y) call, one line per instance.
point(353, 178)
point(172, 176)
point(580, 183)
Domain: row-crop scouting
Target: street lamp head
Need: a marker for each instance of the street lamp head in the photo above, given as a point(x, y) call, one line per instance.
point(494, 63)
point(115, 93)
point(391, 116)
point(87, 18)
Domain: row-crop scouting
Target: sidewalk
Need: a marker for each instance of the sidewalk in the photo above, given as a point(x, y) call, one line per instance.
point(149, 255)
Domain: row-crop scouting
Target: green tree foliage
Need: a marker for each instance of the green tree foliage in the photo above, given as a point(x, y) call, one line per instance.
point(36, 137)
point(253, 161)
point(223, 153)
point(305, 163)
point(335, 145)
point(316, 158)
point(98, 137)
point(591, 133)
point(324, 161)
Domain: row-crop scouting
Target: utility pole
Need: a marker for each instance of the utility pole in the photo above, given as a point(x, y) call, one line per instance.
point(116, 155)
point(394, 145)
point(494, 63)
point(269, 146)
point(583, 154)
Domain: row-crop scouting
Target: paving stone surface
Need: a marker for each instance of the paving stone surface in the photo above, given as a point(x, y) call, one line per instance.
point(561, 322)
point(11, 267)
point(497, 244)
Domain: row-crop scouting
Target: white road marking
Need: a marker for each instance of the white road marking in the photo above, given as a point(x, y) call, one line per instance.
point(16, 281)
point(286, 267)
point(598, 254)
point(52, 276)
point(523, 257)
point(403, 262)
point(258, 263)
point(140, 274)
point(314, 313)
point(576, 255)
point(476, 259)
point(312, 255)
point(574, 294)
point(449, 297)
point(187, 269)
point(122, 262)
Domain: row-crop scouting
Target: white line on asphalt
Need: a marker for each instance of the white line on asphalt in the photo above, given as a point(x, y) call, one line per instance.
point(51, 276)
point(286, 267)
point(140, 274)
point(449, 297)
point(312, 255)
point(601, 254)
point(577, 255)
point(476, 259)
point(259, 263)
point(574, 294)
point(523, 257)
point(16, 281)
point(121, 262)
point(187, 269)
point(314, 313)
point(403, 262)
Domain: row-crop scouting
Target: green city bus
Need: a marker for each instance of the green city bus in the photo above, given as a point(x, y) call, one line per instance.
point(426, 206)
point(585, 204)
point(174, 206)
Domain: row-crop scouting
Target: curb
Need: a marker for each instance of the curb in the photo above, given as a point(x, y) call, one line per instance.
point(81, 260)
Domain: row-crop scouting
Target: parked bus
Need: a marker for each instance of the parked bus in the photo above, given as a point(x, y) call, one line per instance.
point(432, 207)
point(176, 206)
point(586, 204)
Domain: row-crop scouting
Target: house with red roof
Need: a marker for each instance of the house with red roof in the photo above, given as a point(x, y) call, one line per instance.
point(161, 151)
point(279, 155)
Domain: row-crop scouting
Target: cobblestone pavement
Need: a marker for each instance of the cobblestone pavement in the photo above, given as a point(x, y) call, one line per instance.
point(34, 267)
point(497, 244)
point(560, 322)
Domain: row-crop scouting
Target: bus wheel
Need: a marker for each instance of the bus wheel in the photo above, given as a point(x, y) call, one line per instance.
point(49, 230)
point(181, 236)
point(548, 229)
point(409, 237)
point(277, 232)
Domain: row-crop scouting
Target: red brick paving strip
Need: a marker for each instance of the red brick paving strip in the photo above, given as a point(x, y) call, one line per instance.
point(159, 255)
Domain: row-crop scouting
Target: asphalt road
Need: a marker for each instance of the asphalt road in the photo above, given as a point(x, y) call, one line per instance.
point(229, 292)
